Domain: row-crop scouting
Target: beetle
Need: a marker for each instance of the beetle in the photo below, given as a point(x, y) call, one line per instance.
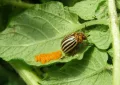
point(71, 41)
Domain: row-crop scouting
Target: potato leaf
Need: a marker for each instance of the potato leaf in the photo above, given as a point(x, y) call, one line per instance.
point(37, 30)
point(118, 4)
point(91, 70)
point(89, 9)
point(100, 36)
point(110, 52)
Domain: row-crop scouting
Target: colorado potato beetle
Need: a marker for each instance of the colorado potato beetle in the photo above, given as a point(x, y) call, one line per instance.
point(71, 41)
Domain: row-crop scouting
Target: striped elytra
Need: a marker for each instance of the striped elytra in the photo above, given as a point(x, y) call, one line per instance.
point(71, 41)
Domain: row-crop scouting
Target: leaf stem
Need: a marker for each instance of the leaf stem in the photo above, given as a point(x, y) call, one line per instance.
point(114, 25)
point(26, 73)
point(93, 22)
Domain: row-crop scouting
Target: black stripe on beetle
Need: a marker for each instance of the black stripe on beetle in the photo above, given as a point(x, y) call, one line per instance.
point(71, 41)
point(69, 44)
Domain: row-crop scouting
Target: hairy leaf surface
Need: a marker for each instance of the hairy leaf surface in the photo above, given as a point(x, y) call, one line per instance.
point(90, 9)
point(37, 30)
point(100, 36)
point(91, 70)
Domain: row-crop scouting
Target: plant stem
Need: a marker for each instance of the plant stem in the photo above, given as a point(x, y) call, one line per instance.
point(114, 25)
point(26, 73)
point(17, 4)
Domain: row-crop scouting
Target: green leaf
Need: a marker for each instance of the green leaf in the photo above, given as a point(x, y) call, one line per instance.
point(11, 12)
point(100, 36)
point(110, 52)
point(89, 9)
point(102, 10)
point(118, 4)
point(37, 30)
point(92, 70)
point(69, 2)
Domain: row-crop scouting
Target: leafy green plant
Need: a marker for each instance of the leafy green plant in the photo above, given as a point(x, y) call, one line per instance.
point(31, 29)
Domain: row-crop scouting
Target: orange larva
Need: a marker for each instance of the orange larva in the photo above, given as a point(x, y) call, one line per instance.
point(46, 57)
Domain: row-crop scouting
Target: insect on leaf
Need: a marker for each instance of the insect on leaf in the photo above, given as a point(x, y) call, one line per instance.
point(38, 30)
point(91, 70)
